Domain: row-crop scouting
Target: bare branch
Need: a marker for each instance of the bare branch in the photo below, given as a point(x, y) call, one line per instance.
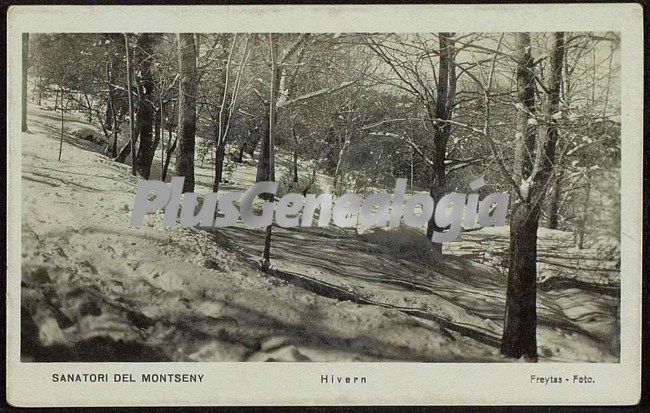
point(315, 93)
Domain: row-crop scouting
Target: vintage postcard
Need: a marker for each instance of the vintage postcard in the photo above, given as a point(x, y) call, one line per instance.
point(324, 205)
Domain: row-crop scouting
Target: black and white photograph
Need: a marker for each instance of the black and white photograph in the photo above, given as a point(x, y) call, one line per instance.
point(308, 196)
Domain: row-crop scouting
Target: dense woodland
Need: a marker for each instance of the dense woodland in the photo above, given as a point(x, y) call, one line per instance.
point(536, 114)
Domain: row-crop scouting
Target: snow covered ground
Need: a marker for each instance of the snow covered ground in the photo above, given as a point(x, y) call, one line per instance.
point(95, 290)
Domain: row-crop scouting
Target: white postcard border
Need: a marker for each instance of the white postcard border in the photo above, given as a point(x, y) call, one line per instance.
point(239, 383)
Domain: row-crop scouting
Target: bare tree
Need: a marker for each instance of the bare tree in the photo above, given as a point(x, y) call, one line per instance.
point(111, 110)
point(62, 124)
point(146, 111)
point(438, 101)
point(534, 161)
point(229, 103)
point(129, 93)
point(268, 173)
point(441, 111)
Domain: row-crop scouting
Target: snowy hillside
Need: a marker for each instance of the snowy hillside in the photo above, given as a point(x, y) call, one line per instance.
point(94, 289)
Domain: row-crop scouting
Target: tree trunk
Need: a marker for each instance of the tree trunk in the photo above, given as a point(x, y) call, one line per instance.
point(108, 113)
point(61, 141)
point(221, 139)
point(526, 131)
point(445, 96)
point(520, 329)
point(268, 173)
point(186, 109)
point(295, 154)
point(111, 112)
point(554, 204)
point(170, 151)
point(253, 145)
point(89, 108)
point(126, 149)
point(295, 166)
point(437, 188)
point(40, 94)
point(520, 325)
point(337, 182)
point(115, 127)
point(242, 149)
point(411, 172)
point(222, 121)
point(25, 64)
point(124, 152)
point(220, 155)
point(161, 127)
point(157, 132)
point(554, 85)
point(585, 215)
point(132, 137)
point(264, 167)
point(146, 110)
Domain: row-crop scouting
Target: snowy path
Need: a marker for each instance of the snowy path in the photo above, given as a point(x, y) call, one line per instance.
point(94, 289)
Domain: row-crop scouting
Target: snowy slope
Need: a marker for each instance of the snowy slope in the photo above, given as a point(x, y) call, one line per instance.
point(94, 289)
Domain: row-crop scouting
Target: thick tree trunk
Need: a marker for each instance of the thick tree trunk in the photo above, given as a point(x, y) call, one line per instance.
point(520, 329)
point(25, 64)
point(186, 109)
point(520, 325)
point(146, 110)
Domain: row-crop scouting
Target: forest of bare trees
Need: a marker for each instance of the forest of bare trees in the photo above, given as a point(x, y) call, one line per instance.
point(537, 115)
